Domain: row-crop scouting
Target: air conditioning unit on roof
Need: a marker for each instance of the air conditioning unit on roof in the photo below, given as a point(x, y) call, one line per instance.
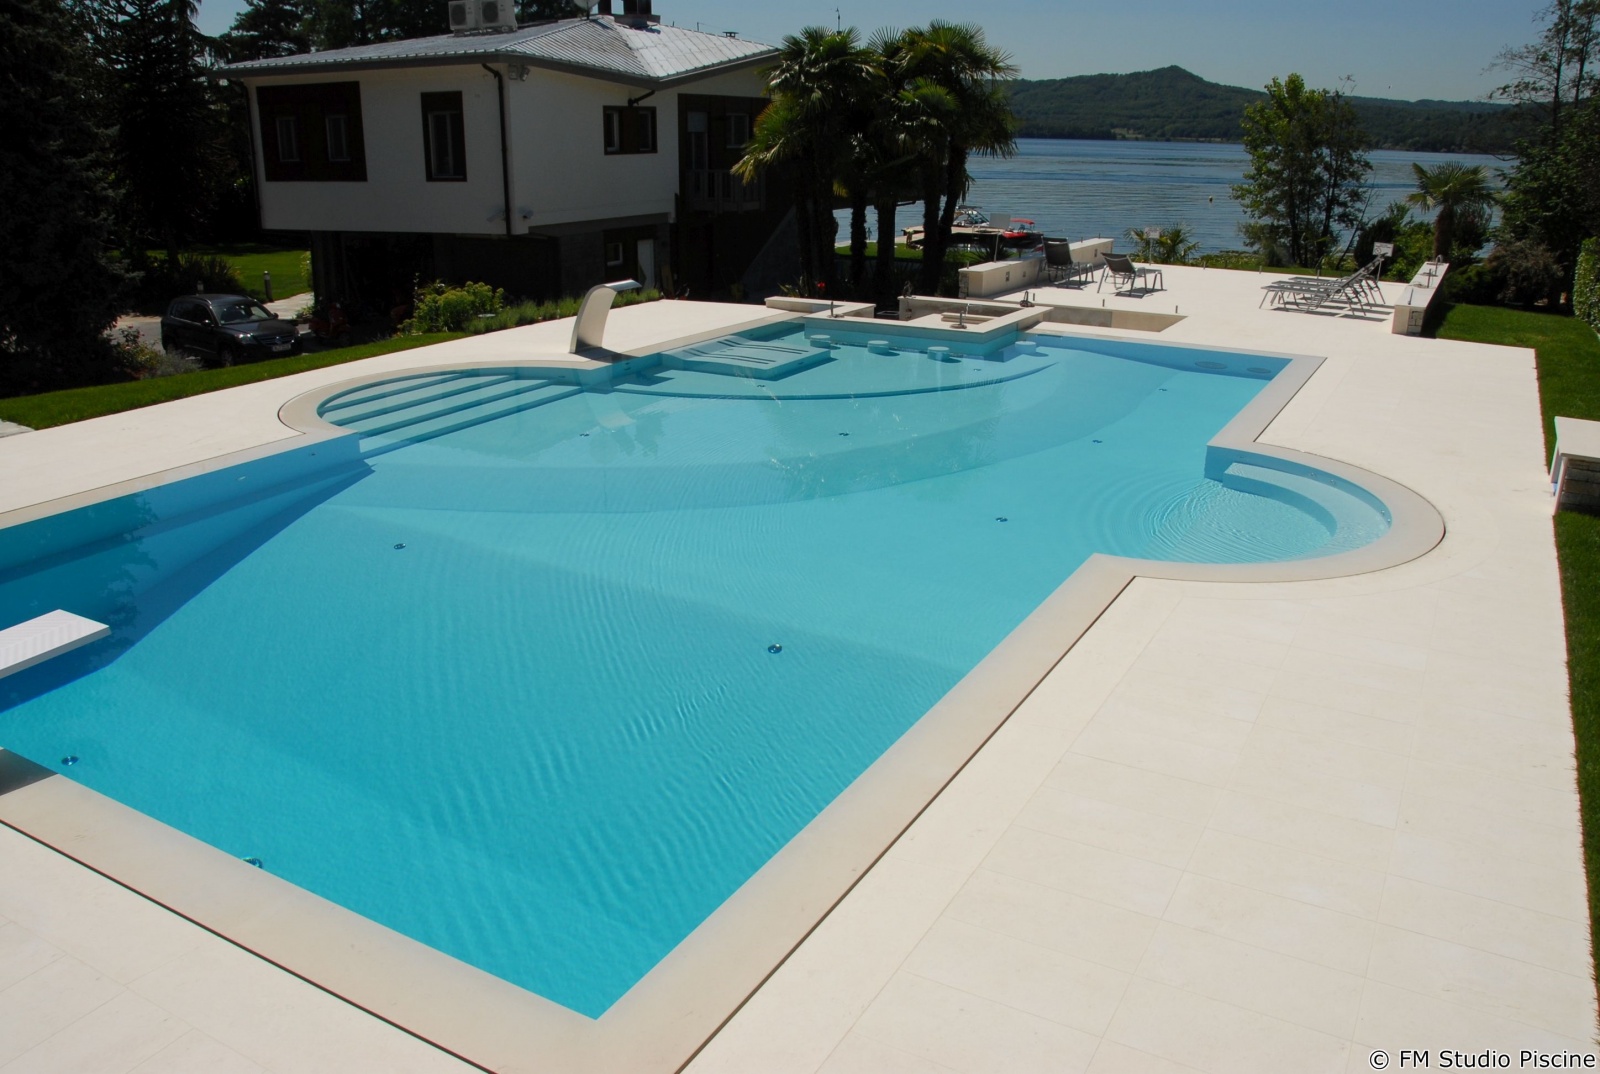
point(465, 16)
point(497, 15)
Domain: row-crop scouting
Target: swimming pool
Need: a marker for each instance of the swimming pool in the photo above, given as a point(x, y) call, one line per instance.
point(543, 689)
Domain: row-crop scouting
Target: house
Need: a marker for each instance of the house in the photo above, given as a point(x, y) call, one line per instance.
point(542, 159)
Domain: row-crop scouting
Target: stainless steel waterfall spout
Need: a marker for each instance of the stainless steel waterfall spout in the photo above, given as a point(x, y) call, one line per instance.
point(590, 328)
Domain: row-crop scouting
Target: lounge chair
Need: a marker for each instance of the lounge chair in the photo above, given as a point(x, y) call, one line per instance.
point(1125, 275)
point(1358, 291)
point(1059, 266)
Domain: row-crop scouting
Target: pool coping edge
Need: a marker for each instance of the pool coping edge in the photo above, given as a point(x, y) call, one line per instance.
point(680, 1005)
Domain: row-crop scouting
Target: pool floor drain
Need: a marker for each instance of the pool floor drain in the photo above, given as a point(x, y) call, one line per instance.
point(253, 861)
point(398, 547)
point(1002, 518)
point(774, 648)
point(70, 760)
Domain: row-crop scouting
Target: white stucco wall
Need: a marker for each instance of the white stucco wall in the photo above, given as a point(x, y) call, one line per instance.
point(397, 195)
point(559, 168)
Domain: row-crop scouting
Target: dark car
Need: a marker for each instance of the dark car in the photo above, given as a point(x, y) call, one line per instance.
point(224, 329)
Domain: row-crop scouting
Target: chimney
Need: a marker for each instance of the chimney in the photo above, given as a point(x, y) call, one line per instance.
point(635, 13)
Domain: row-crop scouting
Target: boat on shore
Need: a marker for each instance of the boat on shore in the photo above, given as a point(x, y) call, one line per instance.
point(973, 227)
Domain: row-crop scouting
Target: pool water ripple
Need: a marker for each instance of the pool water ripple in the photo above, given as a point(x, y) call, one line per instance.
point(548, 736)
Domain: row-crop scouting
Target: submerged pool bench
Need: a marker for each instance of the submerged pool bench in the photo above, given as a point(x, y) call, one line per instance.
point(51, 634)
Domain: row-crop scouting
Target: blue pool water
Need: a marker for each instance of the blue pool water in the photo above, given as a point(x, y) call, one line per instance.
point(509, 689)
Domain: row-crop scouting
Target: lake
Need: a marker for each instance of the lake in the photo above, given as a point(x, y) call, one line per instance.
point(1080, 189)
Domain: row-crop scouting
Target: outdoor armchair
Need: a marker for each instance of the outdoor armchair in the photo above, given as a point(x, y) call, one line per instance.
point(1059, 265)
point(1125, 275)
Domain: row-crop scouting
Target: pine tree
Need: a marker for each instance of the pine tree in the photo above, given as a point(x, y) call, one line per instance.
point(267, 28)
point(59, 289)
point(170, 151)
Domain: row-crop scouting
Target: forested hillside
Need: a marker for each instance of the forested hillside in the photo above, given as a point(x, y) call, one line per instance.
point(1173, 104)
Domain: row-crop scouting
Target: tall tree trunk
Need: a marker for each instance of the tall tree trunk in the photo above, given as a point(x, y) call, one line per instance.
point(1444, 227)
point(955, 172)
point(807, 237)
point(928, 273)
point(886, 277)
point(858, 243)
point(826, 233)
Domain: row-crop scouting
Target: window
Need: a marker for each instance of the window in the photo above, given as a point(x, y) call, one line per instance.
point(699, 146)
point(444, 137)
point(645, 124)
point(288, 140)
point(613, 130)
point(338, 129)
point(738, 130)
point(311, 132)
point(190, 311)
point(613, 254)
point(630, 130)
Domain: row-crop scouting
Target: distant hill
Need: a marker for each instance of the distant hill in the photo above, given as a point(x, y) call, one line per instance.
point(1172, 104)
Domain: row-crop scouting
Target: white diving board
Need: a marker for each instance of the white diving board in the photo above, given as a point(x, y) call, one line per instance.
point(1575, 467)
point(51, 634)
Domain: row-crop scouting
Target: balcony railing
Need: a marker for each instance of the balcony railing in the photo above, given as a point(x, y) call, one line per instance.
point(722, 192)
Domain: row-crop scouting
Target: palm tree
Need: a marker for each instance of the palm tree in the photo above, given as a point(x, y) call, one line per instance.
point(960, 60)
point(815, 86)
point(1452, 188)
point(896, 120)
point(1174, 246)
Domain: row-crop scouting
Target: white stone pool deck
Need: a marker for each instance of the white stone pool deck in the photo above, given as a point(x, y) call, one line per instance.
point(1242, 826)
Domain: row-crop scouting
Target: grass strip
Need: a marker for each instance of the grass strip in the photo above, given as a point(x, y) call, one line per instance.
point(1569, 385)
point(914, 253)
point(78, 404)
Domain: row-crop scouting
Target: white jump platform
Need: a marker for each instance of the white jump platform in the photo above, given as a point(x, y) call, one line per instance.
point(1575, 465)
point(51, 634)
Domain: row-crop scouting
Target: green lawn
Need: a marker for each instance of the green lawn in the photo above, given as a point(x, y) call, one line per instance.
point(290, 274)
point(1569, 385)
point(77, 404)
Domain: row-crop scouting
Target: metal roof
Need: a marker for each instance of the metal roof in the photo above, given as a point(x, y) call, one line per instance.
point(647, 54)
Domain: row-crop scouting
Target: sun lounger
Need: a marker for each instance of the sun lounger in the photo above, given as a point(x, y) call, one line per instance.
point(1358, 291)
point(1126, 276)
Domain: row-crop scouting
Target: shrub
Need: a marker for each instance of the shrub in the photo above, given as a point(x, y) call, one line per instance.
point(1476, 285)
point(208, 273)
point(1586, 284)
point(1529, 270)
point(1230, 259)
point(538, 312)
point(442, 307)
point(134, 357)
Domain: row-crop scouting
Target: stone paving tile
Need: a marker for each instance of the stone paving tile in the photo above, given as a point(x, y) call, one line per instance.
point(967, 1032)
point(114, 1038)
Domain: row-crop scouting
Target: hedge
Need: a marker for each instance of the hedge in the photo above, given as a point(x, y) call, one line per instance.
point(1586, 284)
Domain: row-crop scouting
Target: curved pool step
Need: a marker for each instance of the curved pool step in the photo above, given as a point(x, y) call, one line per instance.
point(465, 397)
point(367, 415)
point(370, 393)
point(413, 428)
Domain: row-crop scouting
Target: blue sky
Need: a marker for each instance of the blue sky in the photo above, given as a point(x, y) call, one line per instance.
point(1425, 48)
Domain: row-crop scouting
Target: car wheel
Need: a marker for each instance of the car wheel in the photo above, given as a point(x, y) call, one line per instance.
point(170, 345)
point(227, 354)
